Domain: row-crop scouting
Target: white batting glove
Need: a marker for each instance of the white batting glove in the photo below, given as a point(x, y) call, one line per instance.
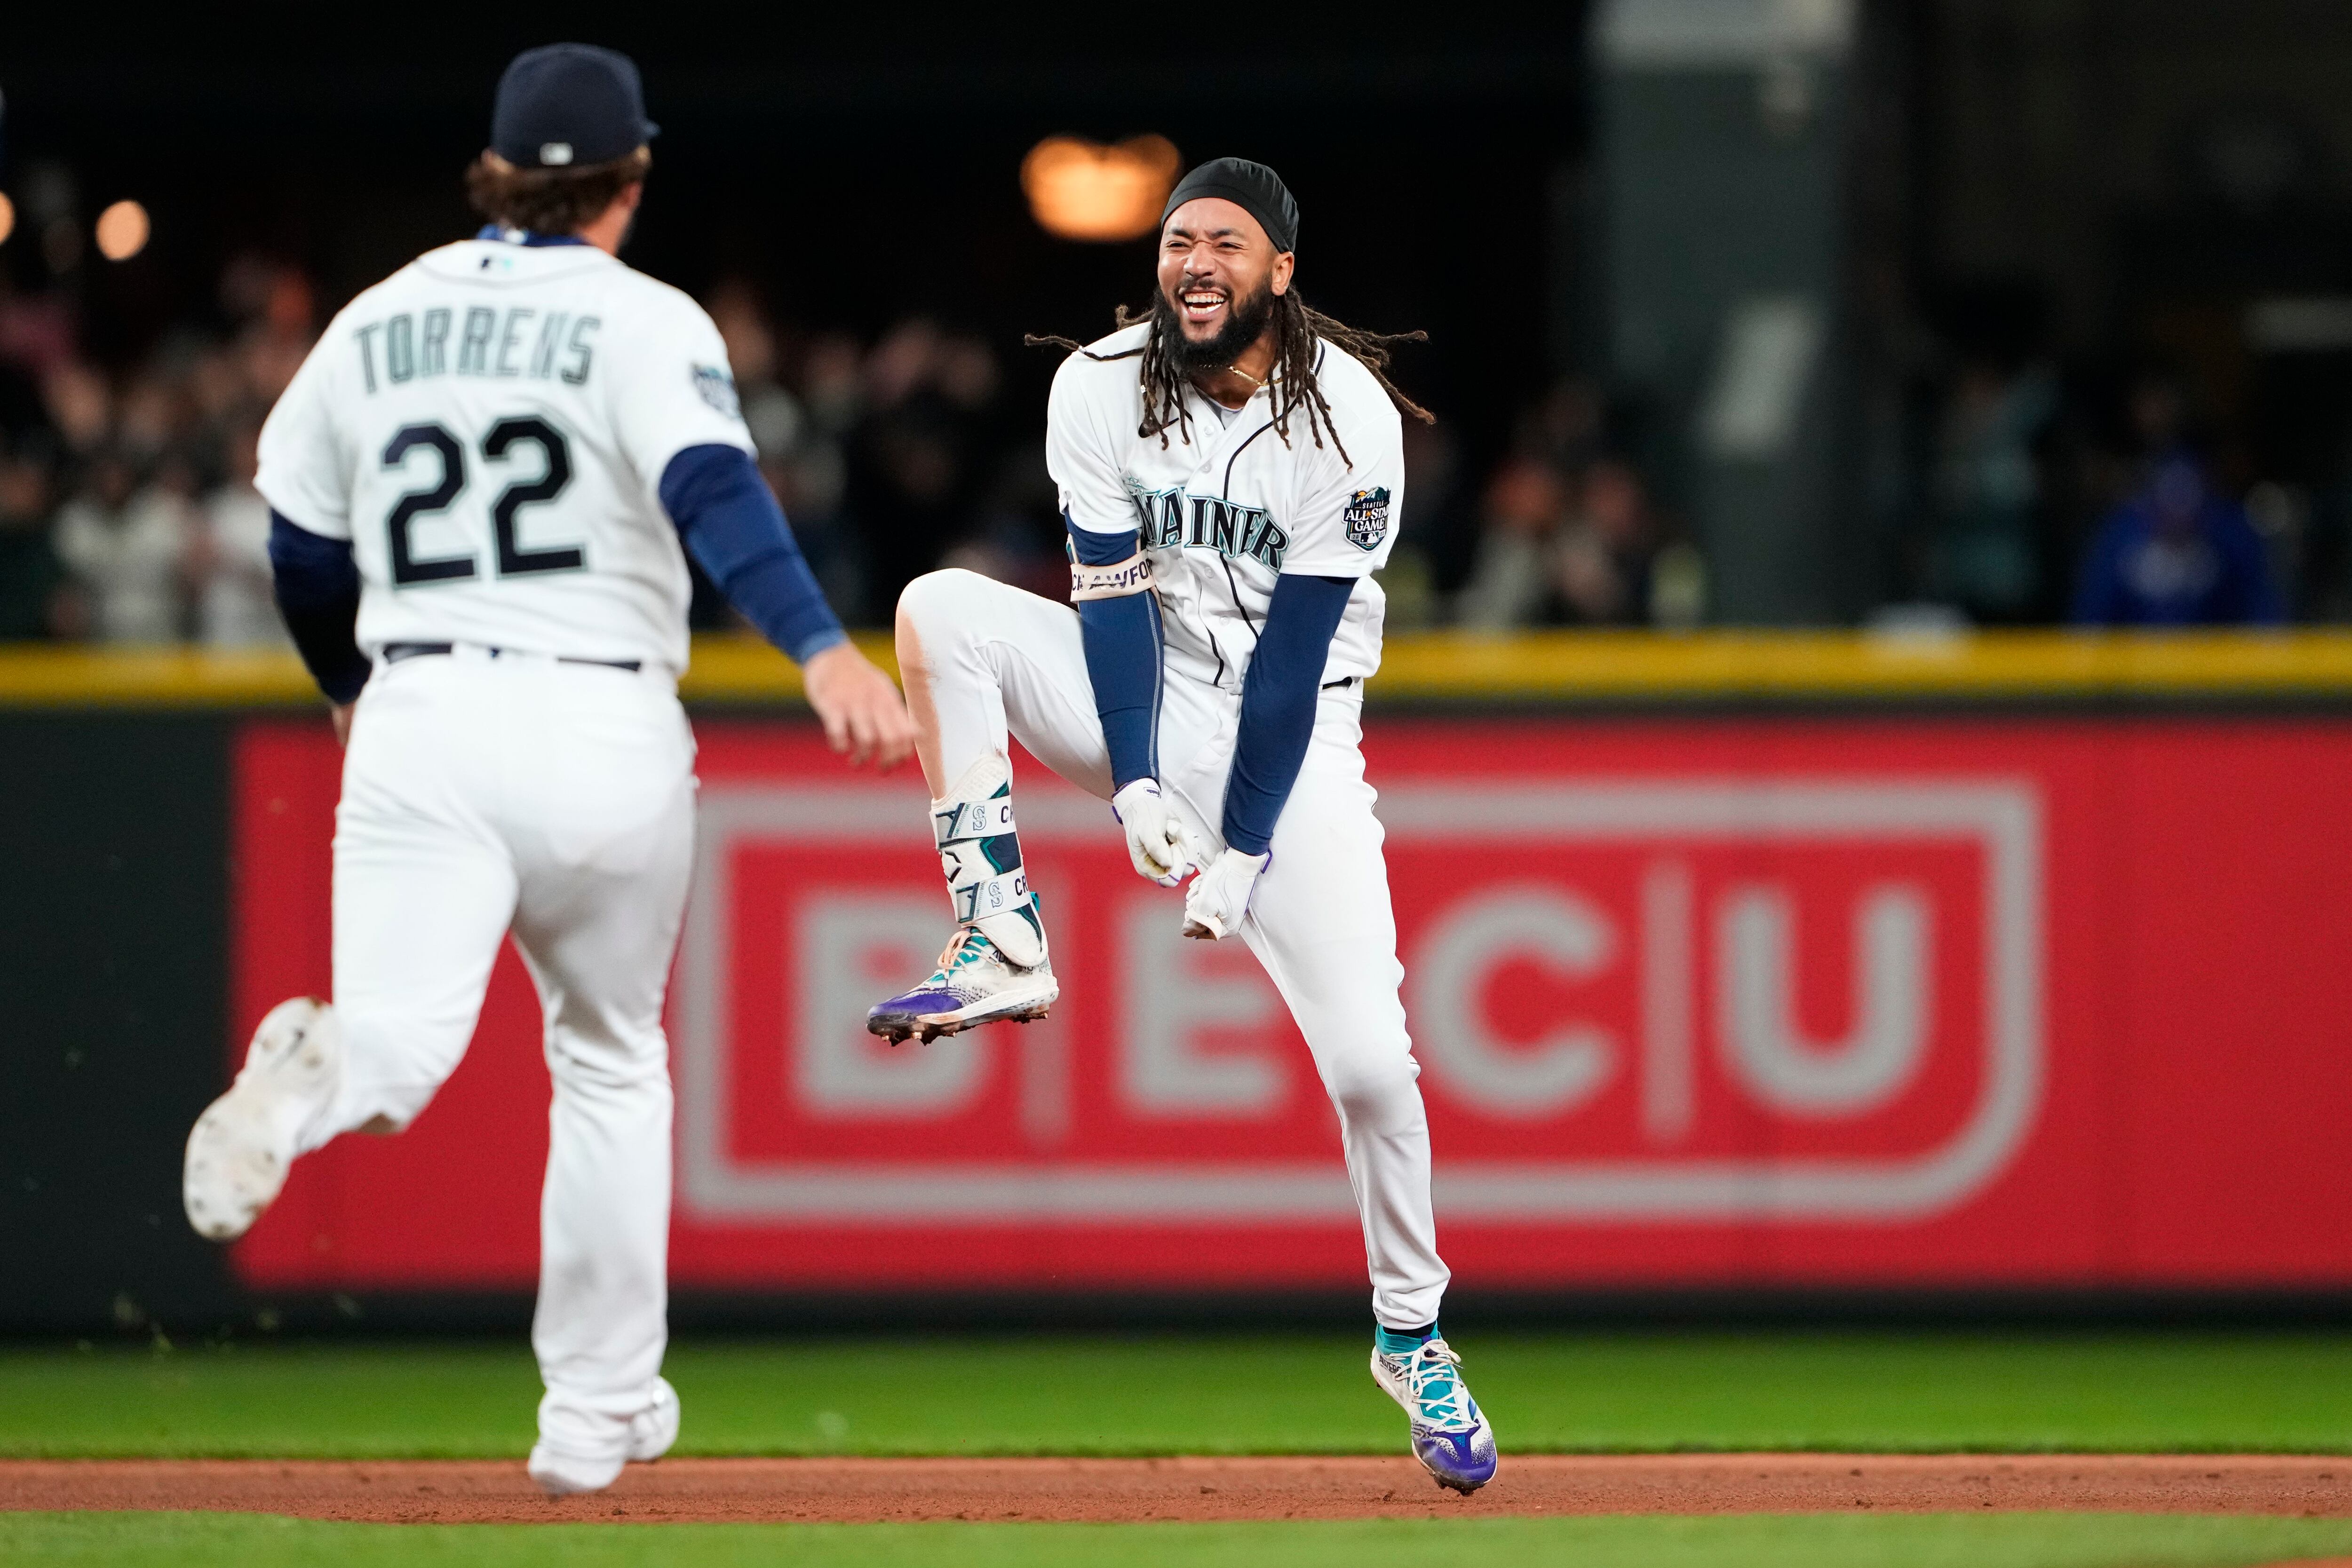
point(1220, 896)
point(1157, 842)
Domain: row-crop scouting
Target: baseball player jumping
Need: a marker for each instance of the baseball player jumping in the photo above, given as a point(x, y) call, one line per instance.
point(1230, 469)
point(483, 482)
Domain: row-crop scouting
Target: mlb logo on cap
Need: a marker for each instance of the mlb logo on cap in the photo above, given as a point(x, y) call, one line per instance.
point(565, 104)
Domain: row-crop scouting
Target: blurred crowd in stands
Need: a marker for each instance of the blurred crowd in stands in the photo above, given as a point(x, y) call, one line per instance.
point(2094, 498)
point(127, 506)
point(128, 513)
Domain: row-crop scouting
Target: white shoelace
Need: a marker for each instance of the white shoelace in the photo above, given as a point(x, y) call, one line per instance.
point(1449, 1408)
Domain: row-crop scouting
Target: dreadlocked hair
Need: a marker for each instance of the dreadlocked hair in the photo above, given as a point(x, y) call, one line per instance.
point(1297, 327)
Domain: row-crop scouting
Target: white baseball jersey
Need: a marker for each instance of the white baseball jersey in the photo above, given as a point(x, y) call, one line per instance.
point(1223, 515)
point(488, 427)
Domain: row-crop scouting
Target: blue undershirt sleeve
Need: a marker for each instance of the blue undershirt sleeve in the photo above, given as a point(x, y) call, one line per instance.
point(729, 520)
point(1278, 698)
point(1123, 645)
point(317, 589)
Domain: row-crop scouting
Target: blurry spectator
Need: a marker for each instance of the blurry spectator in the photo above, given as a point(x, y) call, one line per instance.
point(147, 418)
point(800, 453)
point(2177, 554)
point(1603, 561)
point(1986, 545)
point(1018, 537)
point(29, 572)
point(228, 557)
point(1523, 511)
point(36, 331)
point(1552, 551)
point(275, 303)
point(124, 544)
point(80, 405)
point(773, 414)
point(1432, 466)
point(830, 382)
point(916, 458)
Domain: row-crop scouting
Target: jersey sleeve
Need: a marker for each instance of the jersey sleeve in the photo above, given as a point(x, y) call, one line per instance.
point(305, 464)
point(1344, 515)
point(671, 386)
point(1081, 453)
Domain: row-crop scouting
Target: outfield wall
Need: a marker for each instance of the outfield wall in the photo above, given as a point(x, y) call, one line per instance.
point(1770, 963)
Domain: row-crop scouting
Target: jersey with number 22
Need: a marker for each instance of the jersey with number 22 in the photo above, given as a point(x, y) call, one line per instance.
point(488, 427)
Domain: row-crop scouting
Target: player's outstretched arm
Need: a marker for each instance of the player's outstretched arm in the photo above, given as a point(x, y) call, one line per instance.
point(730, 520)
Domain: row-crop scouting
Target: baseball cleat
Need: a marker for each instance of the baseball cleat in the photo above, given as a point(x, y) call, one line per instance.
point(1451, 1435)
point(974, 984)
point(651, 1431)
point(241, 1148)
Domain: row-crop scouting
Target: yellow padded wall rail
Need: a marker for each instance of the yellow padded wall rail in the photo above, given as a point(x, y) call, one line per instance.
point(1566, 668)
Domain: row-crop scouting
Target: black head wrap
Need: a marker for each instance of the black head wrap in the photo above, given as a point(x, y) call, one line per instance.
point(1253, 187)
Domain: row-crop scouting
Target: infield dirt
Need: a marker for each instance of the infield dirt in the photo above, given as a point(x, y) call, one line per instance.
point(855, 1490)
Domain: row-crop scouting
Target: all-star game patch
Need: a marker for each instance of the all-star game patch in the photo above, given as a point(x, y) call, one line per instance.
point(718, 390)
point(1367, 517)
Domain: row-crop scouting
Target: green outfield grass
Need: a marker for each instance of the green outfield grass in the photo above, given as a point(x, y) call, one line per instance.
point(1211, 1395)
point(1750, 1540)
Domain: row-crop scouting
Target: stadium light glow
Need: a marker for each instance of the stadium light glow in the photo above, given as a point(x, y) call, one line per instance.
point(7, 217)
point(121, 231)
point(1085, 191)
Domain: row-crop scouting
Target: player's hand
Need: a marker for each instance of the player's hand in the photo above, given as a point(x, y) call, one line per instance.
point(1157, 842)
point(342, 714)
point(865, 718)
point(1220, 896)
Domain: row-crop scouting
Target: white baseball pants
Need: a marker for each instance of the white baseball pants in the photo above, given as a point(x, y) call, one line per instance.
point(980, 658)
point(483, 795)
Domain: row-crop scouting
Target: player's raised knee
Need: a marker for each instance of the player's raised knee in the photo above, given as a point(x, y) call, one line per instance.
point(938, 593)
point(928, 607)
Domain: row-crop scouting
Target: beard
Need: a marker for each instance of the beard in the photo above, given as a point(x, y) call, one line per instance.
point(1245, 319)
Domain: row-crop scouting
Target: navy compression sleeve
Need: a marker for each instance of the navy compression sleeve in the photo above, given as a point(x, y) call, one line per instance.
point(730, 519)
point(317, 591)
point(1123, 640)
point(1278, 697)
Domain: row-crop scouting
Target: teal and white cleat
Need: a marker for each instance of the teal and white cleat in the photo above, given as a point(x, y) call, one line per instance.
point(974, 984)
point(1451, 1435)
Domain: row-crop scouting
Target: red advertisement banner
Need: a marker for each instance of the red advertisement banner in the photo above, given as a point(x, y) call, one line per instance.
point(1813, 1001)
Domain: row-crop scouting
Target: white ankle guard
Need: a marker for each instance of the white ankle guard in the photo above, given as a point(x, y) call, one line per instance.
point(980, 853)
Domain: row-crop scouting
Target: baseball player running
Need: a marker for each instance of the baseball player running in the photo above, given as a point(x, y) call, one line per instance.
point(1229, 470)
point(479, 484)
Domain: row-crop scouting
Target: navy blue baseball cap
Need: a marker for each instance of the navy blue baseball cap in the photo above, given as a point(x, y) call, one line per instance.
point(564, 104)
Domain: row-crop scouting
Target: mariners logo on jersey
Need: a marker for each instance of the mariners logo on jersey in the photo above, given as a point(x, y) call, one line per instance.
point(1171, 518)
point(1366, 515)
